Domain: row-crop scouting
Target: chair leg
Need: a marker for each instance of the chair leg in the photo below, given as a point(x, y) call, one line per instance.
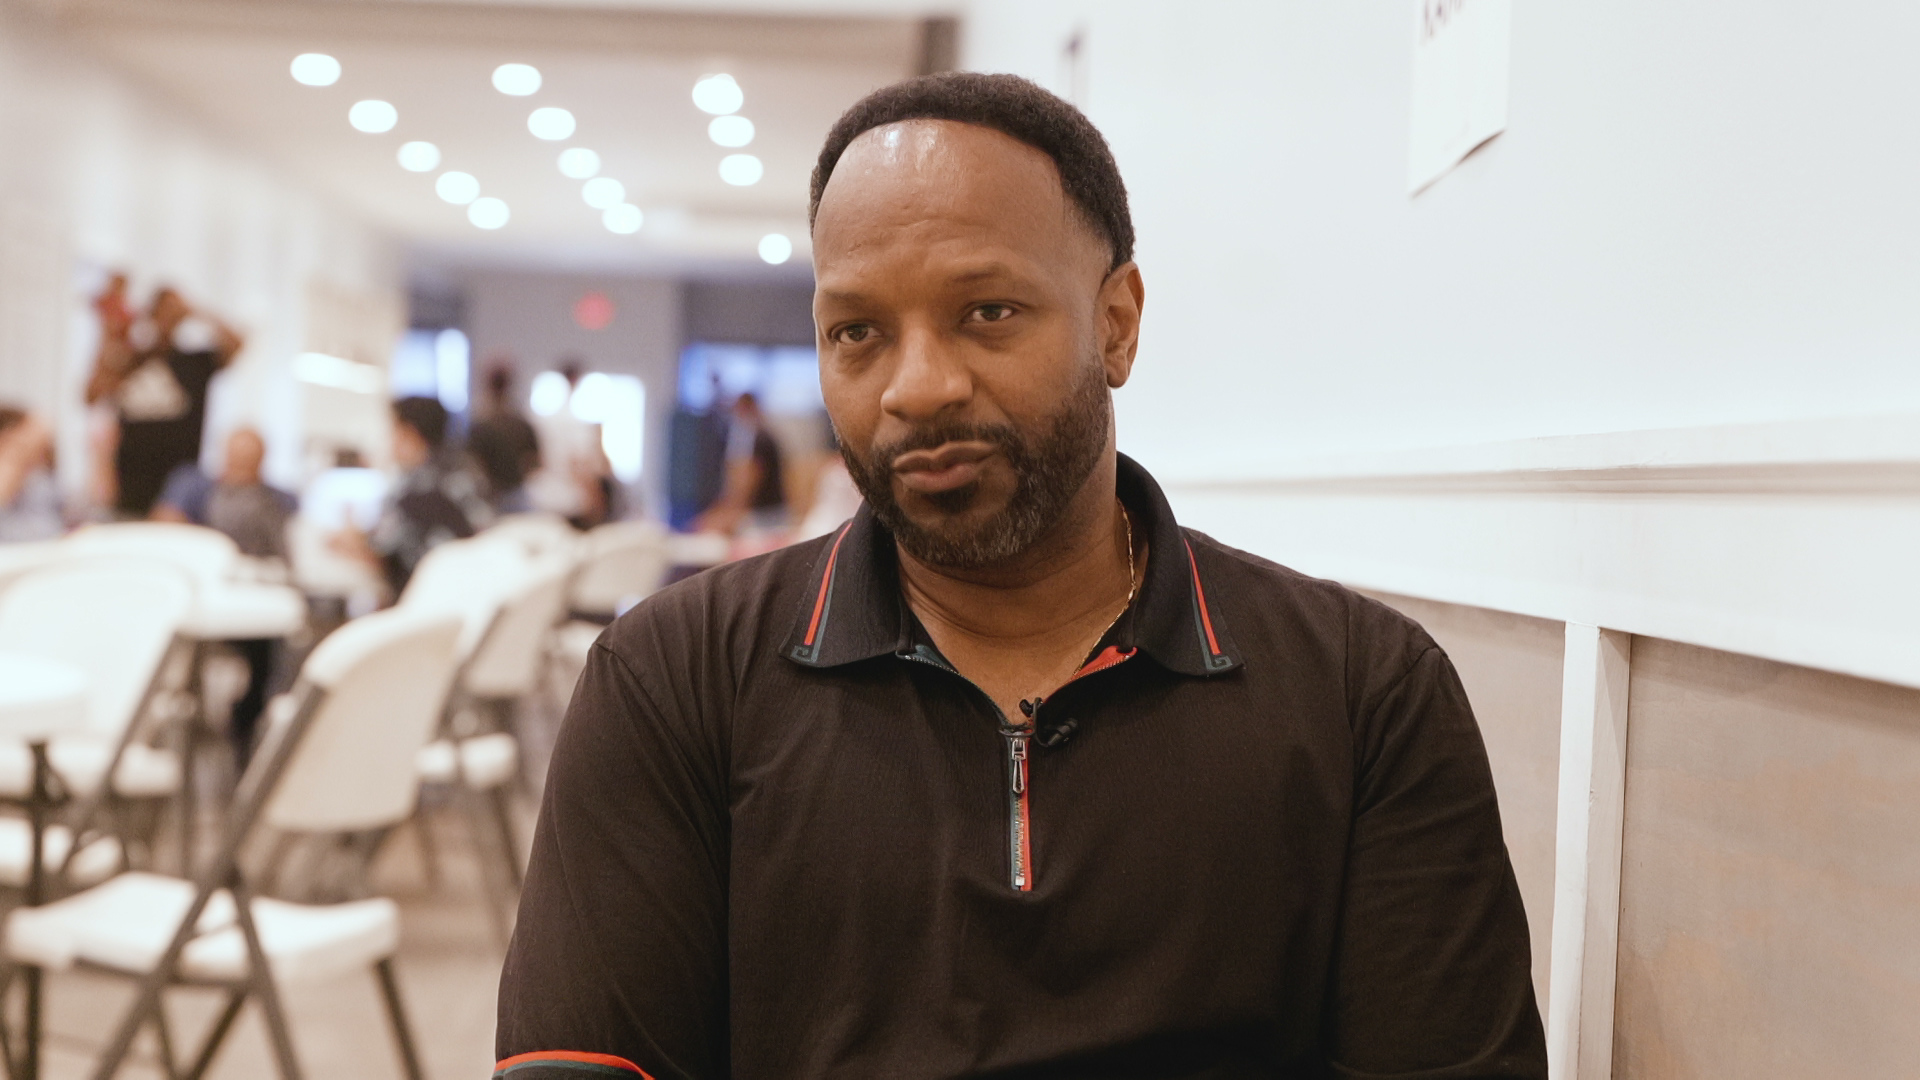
point(216, 1035)
point(429, 850)
point(165, 1036)
point(397, 1014)
point(146, 999)
point(262, 984)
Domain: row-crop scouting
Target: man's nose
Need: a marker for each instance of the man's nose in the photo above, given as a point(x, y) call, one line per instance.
point(929, 379)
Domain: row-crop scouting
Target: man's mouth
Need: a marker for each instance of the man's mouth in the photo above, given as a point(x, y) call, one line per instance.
point(944, 468)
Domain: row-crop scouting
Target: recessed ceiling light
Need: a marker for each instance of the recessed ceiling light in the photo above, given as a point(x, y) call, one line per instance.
point(487, 212)
point(519, 80)
point(373, 116)
point(623, 219)
point(775, 248)
point(419, 156)
point(602, 192)
point(578, 163)
point(730, 130)
point(316, 69)
point(718, 94)
point(550, 123)
point(457, 188)
point(741, 170)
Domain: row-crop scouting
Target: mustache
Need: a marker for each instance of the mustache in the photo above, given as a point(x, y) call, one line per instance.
point(933, 436)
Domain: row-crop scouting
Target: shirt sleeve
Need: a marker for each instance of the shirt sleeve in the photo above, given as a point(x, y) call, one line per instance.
point(619, 958)
point(1432, 978)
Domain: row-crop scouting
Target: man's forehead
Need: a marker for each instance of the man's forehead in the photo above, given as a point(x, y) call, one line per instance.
point(923, 174)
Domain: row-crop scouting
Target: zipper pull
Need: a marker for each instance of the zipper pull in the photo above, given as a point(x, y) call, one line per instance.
point(1017, 756)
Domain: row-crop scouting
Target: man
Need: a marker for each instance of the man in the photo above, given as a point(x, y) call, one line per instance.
point(1011, 775)
point(254, 514)
point(161, 396)
point(504, 444)
point(754, 494)
point(435, 499)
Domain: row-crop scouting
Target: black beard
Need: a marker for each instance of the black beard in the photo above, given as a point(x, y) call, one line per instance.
point(1049, 470)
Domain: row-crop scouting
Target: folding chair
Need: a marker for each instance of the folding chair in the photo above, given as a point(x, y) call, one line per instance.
point(338, 757)
point(540, 534)
point(116, 619)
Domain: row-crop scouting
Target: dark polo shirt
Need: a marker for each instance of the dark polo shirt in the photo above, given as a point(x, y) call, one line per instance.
point(783, 838)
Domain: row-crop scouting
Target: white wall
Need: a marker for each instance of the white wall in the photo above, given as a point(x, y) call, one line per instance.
point(98, 171)
point(1699, 214)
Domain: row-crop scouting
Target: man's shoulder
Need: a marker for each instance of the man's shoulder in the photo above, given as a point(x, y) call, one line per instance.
point(1270, 598)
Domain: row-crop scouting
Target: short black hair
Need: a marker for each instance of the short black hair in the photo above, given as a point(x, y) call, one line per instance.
point(424, 415)
point(1014, 107)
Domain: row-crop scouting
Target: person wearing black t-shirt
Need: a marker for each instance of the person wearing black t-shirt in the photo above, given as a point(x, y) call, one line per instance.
point(160, 393)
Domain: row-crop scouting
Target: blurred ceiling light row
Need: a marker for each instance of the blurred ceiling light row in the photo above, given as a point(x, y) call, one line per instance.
point(719, 95)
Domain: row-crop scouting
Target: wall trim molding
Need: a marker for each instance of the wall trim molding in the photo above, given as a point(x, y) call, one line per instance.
point(1794, 541)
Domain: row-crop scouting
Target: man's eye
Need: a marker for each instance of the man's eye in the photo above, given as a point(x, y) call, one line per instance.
point(855, 334)
point(993, 312)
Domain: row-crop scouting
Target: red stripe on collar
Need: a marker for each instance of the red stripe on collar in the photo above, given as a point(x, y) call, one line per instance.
point(1200, 595)
point(826, 584)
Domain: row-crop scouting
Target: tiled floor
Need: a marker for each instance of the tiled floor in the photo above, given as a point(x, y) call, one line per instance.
point(448, 967)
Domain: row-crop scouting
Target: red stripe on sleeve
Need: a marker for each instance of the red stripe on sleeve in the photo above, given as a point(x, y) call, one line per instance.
point(576, 1057)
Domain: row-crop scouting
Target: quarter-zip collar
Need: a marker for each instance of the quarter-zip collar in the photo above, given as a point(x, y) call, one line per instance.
point(855, 611)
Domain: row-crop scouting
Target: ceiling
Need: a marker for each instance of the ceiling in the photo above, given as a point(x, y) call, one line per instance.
point(624, 69)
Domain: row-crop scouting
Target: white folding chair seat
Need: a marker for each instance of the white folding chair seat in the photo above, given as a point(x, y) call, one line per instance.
point(127, 924)
point(484, 762)
point(239, 611)
point(80, 761)
point(96, 861)
point(620, 563)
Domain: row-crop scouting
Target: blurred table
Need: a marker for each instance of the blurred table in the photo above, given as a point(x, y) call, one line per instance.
point(39, 698)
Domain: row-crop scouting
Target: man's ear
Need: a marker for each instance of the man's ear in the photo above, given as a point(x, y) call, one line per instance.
point(1122, 297)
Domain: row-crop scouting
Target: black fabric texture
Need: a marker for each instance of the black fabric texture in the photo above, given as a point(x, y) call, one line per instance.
point(1270, 846)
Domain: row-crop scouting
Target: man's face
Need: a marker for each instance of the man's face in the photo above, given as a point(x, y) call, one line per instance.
point(410, 448)
point(969, 333)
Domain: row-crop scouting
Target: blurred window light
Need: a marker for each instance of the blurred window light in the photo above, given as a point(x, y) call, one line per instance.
point(457, 188)
point(623, 422)
point(315, 69)
point(550, 123)
point(320, 369)
point(775, 248)
point(741, 170)
point(487, 212)
point(419, 156)
point(624, 219)
point(718, 94)
point(730, 130)
point(579, 163)
point(603, 192)
point(516, 80)
point(415, 368)
point(373, 116)
point(548, 393)
point(451, 367)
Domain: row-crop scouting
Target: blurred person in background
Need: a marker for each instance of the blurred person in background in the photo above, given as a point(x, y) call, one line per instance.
point(436, 498)
point(159, 388)
point(255, 515)
point(504, 443)
point(29, 499)
point(237, 502)
point(754, 496)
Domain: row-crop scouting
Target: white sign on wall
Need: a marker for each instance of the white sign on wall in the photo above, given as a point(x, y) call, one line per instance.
point(1459, 83)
